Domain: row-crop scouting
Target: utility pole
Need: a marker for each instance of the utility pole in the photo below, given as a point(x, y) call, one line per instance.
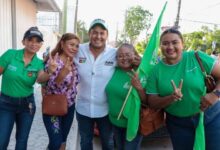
point(75, 19)
point(176, 24)
point(64, 17)
point(116, 36)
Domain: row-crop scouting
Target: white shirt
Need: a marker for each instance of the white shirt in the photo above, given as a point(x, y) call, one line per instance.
point(94, 75)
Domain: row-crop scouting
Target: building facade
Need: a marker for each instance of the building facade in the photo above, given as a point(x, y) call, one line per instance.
point(16, 16)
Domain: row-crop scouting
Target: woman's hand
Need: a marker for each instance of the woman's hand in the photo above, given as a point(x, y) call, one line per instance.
point(52, 67)
point(64, 71)
point(135, 82)
point(177, 94)
point(208, 100)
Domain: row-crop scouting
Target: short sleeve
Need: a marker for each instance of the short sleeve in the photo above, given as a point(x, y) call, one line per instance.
point(41, 65)
point(207, 61)
point(152, 82)
point(6, 58)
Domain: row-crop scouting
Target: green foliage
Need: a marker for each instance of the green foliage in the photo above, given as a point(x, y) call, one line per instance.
point(137, 19)
point(82, 32)
point(202, 40)
point(140, 47)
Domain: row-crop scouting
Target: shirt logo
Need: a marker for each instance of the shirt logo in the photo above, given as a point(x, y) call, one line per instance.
point(30, 74)
point(109, 63)
point(190, 70)
point(12, 68)
point(126, 85)
point(82, 60)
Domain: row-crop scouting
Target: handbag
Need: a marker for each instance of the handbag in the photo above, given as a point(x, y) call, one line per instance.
point(210, 82)
point(54, 104)
point(150, 120)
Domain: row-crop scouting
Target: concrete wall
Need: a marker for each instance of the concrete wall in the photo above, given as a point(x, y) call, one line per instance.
point(25, 18)
point(5, 25)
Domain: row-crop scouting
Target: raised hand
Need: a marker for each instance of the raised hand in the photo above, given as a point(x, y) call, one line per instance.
point(52, 63)
point(177, 94)
point(64, 71)
point(135, 82)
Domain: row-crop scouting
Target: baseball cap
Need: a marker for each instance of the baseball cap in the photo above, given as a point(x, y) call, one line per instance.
point(33, 32)
point(100, 22)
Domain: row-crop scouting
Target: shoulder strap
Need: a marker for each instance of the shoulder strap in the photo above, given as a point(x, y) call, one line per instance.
point(200, 63)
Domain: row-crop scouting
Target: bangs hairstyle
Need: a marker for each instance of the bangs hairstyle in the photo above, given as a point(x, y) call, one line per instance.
point(172, 30)
point(65, 37)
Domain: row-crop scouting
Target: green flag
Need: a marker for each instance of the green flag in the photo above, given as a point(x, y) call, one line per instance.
point(199, 143)
point(132, 107)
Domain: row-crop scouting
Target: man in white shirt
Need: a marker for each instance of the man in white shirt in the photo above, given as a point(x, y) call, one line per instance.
point(96, 63)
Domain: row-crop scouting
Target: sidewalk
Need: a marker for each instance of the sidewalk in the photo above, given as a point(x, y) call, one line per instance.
point(38, 138)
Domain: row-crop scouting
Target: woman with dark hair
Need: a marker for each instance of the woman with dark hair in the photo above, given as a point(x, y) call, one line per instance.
point(63, 80)
point(20, 69)
point(176, 84)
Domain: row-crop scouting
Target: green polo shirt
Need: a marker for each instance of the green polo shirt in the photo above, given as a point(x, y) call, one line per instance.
point(18, 79)
point(188, 69)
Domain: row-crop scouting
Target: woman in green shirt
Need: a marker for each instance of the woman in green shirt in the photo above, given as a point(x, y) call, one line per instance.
point(176, 84)
point(20, 69)
point(117, 89)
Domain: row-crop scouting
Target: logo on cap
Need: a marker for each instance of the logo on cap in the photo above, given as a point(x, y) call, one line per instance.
point(100, 22)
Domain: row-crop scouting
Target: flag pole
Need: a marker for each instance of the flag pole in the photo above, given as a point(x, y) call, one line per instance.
point(151, 40)
point(123, 106)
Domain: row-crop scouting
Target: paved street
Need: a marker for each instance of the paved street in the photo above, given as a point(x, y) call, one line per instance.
point(38, 139)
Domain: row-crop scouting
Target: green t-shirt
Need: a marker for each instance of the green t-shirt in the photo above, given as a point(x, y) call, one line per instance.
point(188, 69)
point(18, 79)
point(116, 91)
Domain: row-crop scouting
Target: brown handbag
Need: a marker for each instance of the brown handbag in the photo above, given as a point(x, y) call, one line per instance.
point(210, 82)
point(54, 104)
point(150, 120)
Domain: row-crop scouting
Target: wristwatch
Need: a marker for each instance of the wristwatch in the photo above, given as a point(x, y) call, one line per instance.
point(217, 93)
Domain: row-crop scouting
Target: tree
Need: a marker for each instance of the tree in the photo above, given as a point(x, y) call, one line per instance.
point(203, 39)
point(82, 32)
point(137, 19)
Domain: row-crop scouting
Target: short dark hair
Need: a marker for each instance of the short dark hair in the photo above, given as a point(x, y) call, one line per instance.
point(172, 30)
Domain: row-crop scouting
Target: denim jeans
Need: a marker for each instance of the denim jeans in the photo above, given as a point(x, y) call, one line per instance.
point(122, 143)
point(18, 111)
point(86, 129)
point(58, 128)
point(182, 129)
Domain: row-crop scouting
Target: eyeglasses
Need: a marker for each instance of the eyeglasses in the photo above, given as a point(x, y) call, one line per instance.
point(124, 56)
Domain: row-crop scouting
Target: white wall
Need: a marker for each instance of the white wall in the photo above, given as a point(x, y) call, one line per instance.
point(5, 25)
point(25, 18)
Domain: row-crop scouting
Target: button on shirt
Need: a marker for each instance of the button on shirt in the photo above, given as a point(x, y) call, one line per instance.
point(94, 75)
